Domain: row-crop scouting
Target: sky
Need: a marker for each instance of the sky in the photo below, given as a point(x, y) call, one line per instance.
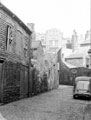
point(64, 15)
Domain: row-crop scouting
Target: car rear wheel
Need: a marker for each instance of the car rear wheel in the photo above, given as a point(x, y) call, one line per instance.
point(75, 96)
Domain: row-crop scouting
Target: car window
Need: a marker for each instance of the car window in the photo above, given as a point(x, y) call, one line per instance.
point(82, 85)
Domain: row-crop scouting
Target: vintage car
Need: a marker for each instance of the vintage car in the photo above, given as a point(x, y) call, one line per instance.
point(82, 87)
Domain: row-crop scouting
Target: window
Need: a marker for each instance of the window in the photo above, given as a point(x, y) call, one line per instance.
point(82, 85)
point(87, 62)
point(19, 43)
point(51, 42)
point(25, 52)
point(43, 41)
point(56, 42)
point(25, 47)
point(9, 39)
point(69, 45)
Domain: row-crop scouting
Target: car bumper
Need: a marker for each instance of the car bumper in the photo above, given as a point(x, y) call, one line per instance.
point(82, 94)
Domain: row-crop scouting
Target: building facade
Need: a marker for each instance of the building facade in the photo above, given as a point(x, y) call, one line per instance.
point(37, 50)
point(53, 40)
point(14, 56)
point(80, 47)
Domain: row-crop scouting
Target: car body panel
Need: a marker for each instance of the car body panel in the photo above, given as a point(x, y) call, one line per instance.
point(82, 86)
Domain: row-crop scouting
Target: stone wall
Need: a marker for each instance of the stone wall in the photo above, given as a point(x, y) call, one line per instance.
point(46, 65)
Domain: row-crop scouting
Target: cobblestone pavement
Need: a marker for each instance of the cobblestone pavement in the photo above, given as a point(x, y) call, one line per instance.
point(54, 105)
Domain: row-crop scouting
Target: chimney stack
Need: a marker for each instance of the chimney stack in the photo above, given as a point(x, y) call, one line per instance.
point(31, 27)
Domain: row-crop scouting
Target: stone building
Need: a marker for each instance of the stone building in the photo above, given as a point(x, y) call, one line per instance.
point(37, 49)
point(14, 56)
point(81, 45)
point(53, 40)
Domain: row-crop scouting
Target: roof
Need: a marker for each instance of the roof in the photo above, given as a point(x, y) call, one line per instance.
point(35, 44)
point(69, 65)
point(82, 78)
point(11, 14)
point(77, 55)
point(87, 41)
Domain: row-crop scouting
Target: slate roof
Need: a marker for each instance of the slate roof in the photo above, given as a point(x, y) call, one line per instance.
point(69, 65)
point(86, 42)
point(77, 55)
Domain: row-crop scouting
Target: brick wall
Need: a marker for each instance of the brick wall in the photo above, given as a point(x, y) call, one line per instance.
point(14, 56)
point(13, 82)
point(15, 50)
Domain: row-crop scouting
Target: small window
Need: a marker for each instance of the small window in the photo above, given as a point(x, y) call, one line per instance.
point(25, 46)
point(51, 42)
point(19, 42)
point(56, 42)
point(25, 52)
point(9, 39)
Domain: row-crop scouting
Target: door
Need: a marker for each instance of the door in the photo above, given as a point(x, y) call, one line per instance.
point(24, 82)
point(1, 79)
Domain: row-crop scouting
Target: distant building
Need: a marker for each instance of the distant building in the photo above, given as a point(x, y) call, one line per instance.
point(66, 47)
point(53, 40)
point(79, 59)
point(37, 50)
point(81, 46)
point(41, 37)
point(85, 45)
point(74, 41)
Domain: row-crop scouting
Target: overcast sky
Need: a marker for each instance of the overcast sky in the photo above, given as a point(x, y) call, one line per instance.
point(65, 15)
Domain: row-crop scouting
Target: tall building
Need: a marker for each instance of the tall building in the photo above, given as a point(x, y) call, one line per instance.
point(53, 40)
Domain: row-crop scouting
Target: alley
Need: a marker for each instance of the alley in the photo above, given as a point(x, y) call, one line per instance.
point(57, 104)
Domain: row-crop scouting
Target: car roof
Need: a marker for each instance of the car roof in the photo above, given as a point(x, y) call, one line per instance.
point(85, 78)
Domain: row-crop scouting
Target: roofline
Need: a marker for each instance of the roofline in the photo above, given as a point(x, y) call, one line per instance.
point(82, 78)
point(85, 43)
point(11, 14)
point(73, 58)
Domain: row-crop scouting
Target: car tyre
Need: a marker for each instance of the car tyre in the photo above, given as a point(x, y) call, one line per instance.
point(74, 96)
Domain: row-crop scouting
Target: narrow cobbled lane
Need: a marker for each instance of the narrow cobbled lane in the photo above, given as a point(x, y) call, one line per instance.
point(54, 105)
